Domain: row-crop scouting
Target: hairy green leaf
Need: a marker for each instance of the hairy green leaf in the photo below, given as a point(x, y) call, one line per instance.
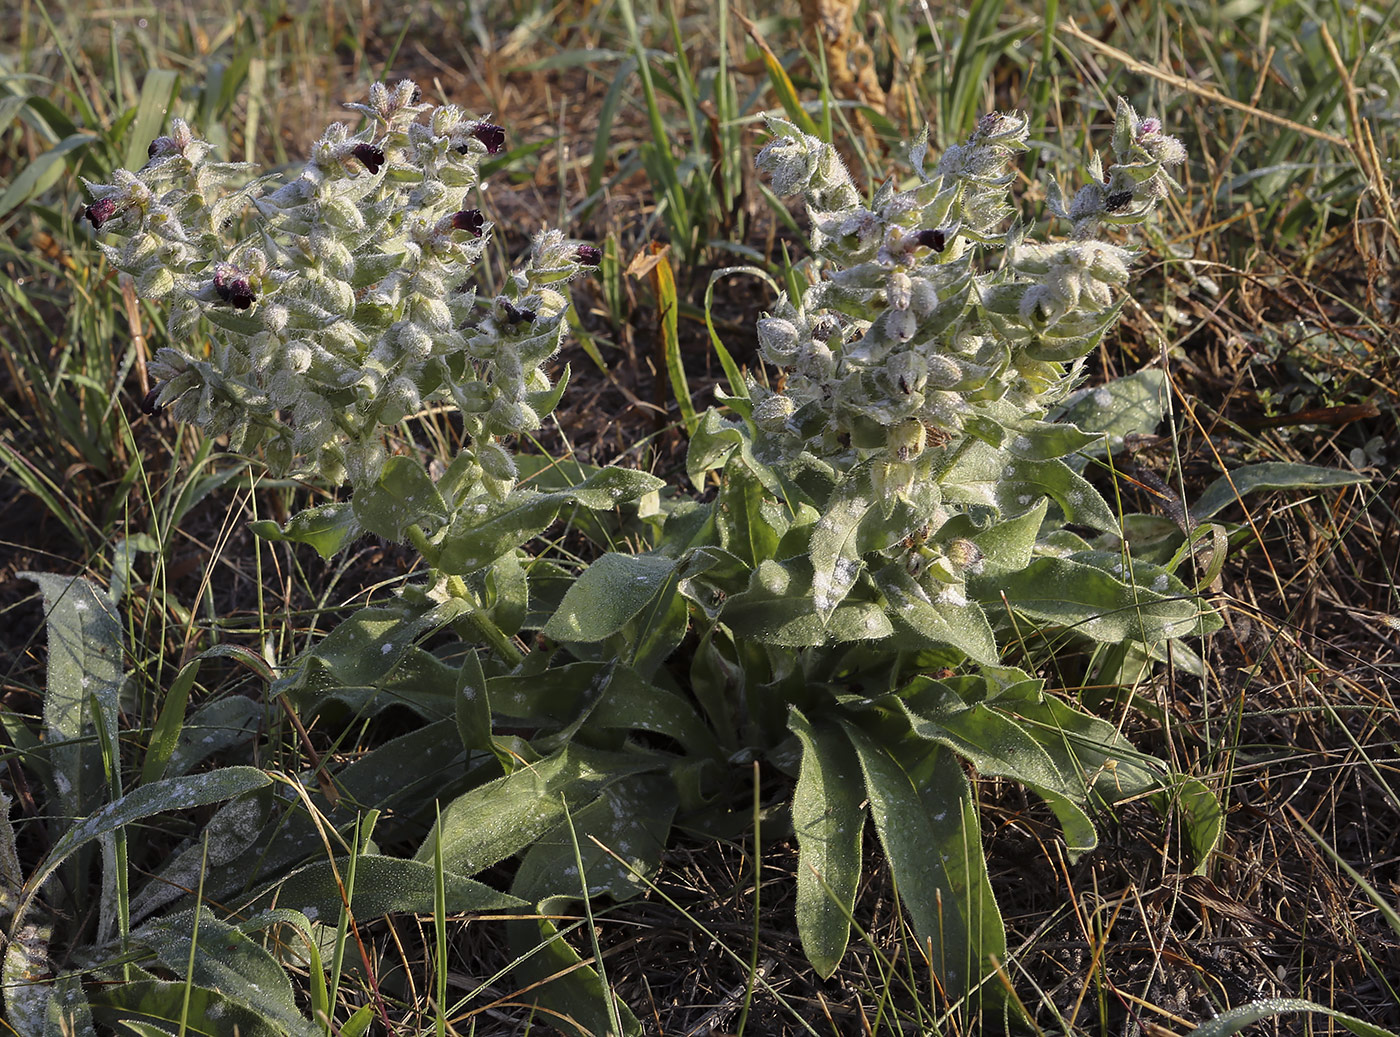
point(1269, 475)
point(828, 817)
point(607, 594)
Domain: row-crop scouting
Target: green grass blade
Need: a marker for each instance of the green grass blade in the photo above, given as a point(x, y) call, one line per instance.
point(156, 92)
point(166, 734)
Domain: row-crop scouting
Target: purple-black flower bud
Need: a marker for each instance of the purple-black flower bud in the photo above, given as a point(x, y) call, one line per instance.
point(233, 289)
point(162, 146)
point(1117, 200)
point(521, 316)
point(150, 404)
point(588, 255)
point(100, 211)
point(469, 220)
point(371, 156)
point(493, 136)
point(240, 294)
point(933, 238)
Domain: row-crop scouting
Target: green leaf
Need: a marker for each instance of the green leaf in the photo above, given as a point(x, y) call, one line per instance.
point(603, 696)
point(986, 475)
point(998, 746)
point(1201, 815)
point(1270, 475)
point(383, 885)
point(472, 704)
point(632, 818)
point(777, 608)
point(1044, 440)
point(327, 528)
point(215, 727)
point(835, 551)
point(482, 531)
point(496, 820)
point(11, 876)
point(85, 658)
point(365, 646)
point(1226, 1024)
point(749, 522)
point(657, 631)
point(1132, 405)
point(607, 594)
point(165, 735)
point(959, 625)
point(24, 979)
point(41, 174)
point(711, 445)
point(151, 109)
point(509, 590)
point(1086, 599)
point(828, 817)
point(223, 959)
point(183, 793)
point(402, 496)
point(69, 1014)
point(1008, 546)
point(930, 833)
point(207, 1013)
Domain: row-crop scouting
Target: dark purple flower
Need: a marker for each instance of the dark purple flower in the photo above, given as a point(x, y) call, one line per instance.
point(150, 404)
point(493, 136)
point(240, 294)
point(100, 211)
point(514, 316)
point(588, 255)
point(1117, 200)
point(416, 96)
point(233, 289)
point(934, 239)
point(371, 156)
point(469, 220)
point(161, 146)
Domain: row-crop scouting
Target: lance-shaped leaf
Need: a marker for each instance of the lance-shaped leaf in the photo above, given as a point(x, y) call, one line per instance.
point(85, 659)
point(383, 885)
point(182, 793)
point(835, 551)
point(219, 957)
point(327, 528)
point(402, 496)
point(941, 622)
point(1086, 599)
point(828, 817)
point(607, 594)
point(1270, 475)
point(502, 817)
point(998, 746)
point(483, 530)
point(930, 833)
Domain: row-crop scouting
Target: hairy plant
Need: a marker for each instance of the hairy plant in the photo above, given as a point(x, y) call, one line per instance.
point(901, 541)
point(310, 314)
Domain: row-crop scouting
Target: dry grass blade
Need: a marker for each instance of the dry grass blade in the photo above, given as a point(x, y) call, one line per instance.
point(1180, 82)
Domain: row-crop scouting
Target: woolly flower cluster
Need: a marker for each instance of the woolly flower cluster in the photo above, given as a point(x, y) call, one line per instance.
point(311, 315)
point(928, 315)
